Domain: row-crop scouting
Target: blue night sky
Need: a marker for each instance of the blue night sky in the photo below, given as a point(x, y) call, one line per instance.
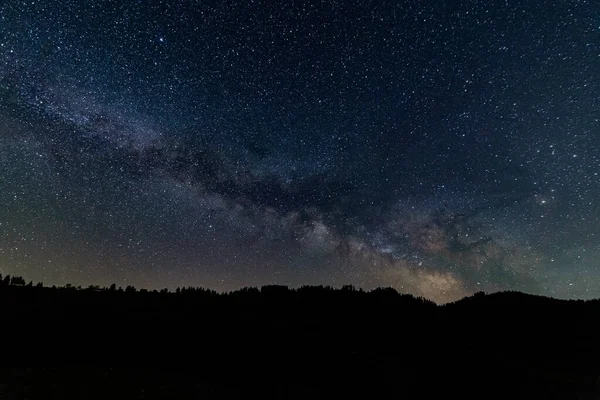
point(437, 147)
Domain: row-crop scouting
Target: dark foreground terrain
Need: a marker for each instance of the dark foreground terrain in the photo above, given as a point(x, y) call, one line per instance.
point(274, 342)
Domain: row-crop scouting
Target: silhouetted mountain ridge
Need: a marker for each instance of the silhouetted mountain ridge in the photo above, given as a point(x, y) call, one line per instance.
point(311, 341)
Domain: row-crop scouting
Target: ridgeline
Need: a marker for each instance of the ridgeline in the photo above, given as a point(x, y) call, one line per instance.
point(277, 342)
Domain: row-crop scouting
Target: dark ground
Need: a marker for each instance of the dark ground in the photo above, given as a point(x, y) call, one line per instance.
point(306, 343)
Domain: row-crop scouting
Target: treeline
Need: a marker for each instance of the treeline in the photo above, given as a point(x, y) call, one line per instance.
point(272, 302)
point(21, 298)
point(267, 290)
point(347, 294)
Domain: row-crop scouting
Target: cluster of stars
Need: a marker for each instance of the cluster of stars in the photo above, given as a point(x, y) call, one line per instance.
point(440, 149)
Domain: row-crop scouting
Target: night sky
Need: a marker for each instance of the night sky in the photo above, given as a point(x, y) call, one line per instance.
point(435, 147)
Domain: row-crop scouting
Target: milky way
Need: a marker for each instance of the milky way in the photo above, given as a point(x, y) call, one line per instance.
point(435, 147)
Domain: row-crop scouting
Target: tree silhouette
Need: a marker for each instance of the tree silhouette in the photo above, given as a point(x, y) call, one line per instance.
point(354, 340)
point(17, 281)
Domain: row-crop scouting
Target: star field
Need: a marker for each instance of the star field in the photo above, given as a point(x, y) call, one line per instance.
point(434, 147)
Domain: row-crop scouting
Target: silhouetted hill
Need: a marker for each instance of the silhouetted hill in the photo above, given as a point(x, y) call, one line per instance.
point(277, 342)
point(512, 298)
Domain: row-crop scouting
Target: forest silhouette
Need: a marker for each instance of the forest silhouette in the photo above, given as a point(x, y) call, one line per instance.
point(279, 342)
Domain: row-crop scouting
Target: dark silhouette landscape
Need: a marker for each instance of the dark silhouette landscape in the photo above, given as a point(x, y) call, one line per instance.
point(277, 342)
point(437, 148)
